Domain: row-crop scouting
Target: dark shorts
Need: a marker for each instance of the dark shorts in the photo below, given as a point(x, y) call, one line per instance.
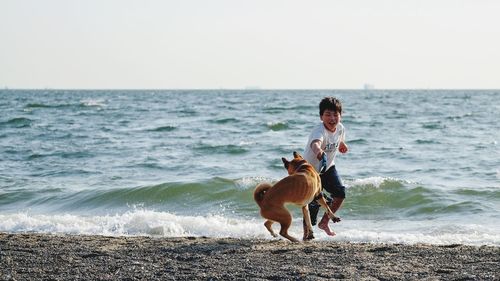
point(331, 183)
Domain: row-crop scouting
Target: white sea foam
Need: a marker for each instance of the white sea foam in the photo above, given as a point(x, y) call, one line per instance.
point(415, 232)
point(374, 181)
point(251, 182)
point(138, 222)
point(93, 102)
point(143, 222)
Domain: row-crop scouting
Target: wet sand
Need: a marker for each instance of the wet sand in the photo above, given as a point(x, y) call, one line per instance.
point(79, 257)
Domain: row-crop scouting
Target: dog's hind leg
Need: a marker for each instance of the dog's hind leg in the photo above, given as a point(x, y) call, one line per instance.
point(284, 231)
point(285, 222)
point(329, 212)
point(269, 225)
point(282, 216)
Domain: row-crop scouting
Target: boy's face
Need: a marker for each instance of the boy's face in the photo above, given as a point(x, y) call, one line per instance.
point(330, 119)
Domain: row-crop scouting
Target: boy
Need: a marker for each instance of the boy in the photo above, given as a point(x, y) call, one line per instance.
point(324, 141)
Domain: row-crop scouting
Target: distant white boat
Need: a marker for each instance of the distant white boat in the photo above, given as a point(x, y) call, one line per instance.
point(367, 86)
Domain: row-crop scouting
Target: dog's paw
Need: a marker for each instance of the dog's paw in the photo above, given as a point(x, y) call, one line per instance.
point(336, 219)
point(308, 237)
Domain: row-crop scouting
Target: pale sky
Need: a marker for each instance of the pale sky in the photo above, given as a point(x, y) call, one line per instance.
point(271, 44)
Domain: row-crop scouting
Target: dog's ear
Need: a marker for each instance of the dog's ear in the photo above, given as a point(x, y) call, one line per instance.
point(285, 162)
point(296, 155)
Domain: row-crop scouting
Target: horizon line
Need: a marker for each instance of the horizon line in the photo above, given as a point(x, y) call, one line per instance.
point(250, 89)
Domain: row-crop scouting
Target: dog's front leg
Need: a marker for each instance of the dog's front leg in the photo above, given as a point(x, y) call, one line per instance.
point(308, 232)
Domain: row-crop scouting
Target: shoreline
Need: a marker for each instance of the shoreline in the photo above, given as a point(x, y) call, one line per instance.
point(35, 256)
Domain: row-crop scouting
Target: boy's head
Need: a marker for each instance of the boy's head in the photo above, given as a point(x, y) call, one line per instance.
point(330, 103)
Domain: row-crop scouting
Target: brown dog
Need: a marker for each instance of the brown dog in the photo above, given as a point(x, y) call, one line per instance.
point(302, 186)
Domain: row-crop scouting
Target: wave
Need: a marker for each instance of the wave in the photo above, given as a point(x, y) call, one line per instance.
point(141, 222)
point(281, 109)
point(218, 149)
point(64, 155)
point(92, 103)
point(374, 198)
point(431, 141)
point(388, 198)
point(215, 195)
point(136, 222)
point(18, 122)
point(434, 126)
point(358, 141)
point(377, 209)
point(278, 126)
point(458, 117)
point(39, 105)
point(163, 129)
point(82, 104)
point(223, 121)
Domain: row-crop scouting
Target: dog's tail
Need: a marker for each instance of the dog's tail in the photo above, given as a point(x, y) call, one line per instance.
point(260, 191)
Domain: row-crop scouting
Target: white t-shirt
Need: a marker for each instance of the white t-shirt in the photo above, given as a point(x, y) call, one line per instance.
point(329, 142)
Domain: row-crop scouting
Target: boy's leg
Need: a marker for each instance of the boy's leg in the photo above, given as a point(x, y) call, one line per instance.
point(332, 183)
point(323, 224)
point(334, 205)
point(313, 211)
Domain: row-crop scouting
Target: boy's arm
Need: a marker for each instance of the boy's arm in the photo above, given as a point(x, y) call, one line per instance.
point(316, 148)
point(342, 146)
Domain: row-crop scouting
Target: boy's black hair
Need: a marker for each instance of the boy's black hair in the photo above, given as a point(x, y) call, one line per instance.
point(330, 103)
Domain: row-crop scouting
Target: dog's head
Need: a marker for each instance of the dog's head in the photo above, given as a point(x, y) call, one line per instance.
point(292, 166)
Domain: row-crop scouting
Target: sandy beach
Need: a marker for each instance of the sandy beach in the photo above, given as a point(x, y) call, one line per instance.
point(79, 257)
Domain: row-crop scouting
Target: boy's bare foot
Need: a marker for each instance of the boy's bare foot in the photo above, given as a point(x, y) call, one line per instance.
point(326, 228)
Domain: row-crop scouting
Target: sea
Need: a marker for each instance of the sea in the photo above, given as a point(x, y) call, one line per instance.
point(423, 165)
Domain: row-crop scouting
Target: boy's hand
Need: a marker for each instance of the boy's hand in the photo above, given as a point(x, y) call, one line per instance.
point(343, 147)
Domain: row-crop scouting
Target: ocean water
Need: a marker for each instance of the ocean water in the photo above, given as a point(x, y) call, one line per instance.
point(423, 166)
